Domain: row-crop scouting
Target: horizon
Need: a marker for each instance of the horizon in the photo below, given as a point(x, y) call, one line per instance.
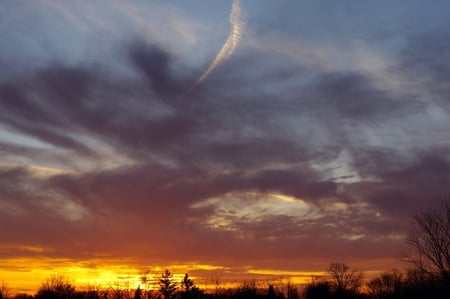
point(207, 278)
point(252, 137)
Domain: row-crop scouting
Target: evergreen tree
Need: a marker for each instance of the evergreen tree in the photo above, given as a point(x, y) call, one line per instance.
point(187, 283)
point(271, 292)
point(190, 291)
point(167, 286)
point(138, 293)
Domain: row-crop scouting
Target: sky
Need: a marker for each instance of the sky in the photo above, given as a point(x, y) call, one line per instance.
point(229, 139)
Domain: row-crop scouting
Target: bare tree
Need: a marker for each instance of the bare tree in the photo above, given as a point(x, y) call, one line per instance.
point(344, 278)
point(430, 240)
point(56, 287)
point(4, 290)
point(217, 281)
point(388, 284)
point(149, 284)
point(120, 289)
point(291, 291)
point(95, 291)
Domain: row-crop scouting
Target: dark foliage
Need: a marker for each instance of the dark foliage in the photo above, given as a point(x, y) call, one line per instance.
point(190, 291)
point(56, 287)
point(414, 284)
point(317, 290)
point(167, 285)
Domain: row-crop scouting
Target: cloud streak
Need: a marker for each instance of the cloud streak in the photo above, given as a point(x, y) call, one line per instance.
point(238, 24)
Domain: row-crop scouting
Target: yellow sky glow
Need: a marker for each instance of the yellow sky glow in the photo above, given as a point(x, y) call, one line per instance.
point(25, 275)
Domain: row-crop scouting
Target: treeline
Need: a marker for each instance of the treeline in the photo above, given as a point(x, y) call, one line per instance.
point(342, 282)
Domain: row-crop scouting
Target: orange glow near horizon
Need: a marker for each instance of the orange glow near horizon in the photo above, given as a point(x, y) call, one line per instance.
point(25, 275)
point(294, 277)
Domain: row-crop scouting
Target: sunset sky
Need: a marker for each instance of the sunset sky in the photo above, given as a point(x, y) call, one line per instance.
point(251, 138)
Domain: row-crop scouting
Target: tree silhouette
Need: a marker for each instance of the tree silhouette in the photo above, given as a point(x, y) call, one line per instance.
point(317, 290)
point(4, 290)
point(147, 283)
point(56, 287)
point(187, 283)
point(344, 279)
point(412, 284)
point(247, 290)
point(190, 291)
point(291, 291)
point(271, 292)
point(167, 286)
point(430, 240)
point(138, 293)
point(387, 285)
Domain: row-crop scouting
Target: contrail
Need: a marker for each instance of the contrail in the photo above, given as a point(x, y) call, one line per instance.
point(237, 27)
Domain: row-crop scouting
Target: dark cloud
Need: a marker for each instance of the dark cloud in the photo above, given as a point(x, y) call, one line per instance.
point(428, 55)
point(421, 182)
point(427, 60)
point(156, 65)
point(353, 97)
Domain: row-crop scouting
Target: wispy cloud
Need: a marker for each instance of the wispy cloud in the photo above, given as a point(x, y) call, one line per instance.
point(238, 23)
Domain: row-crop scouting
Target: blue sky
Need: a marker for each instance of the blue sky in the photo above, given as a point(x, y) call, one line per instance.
point(318, 136)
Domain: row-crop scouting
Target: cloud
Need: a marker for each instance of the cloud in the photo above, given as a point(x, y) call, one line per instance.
point(352, 96)
point(154, 64)
point(137, 159)
point(234, 37)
